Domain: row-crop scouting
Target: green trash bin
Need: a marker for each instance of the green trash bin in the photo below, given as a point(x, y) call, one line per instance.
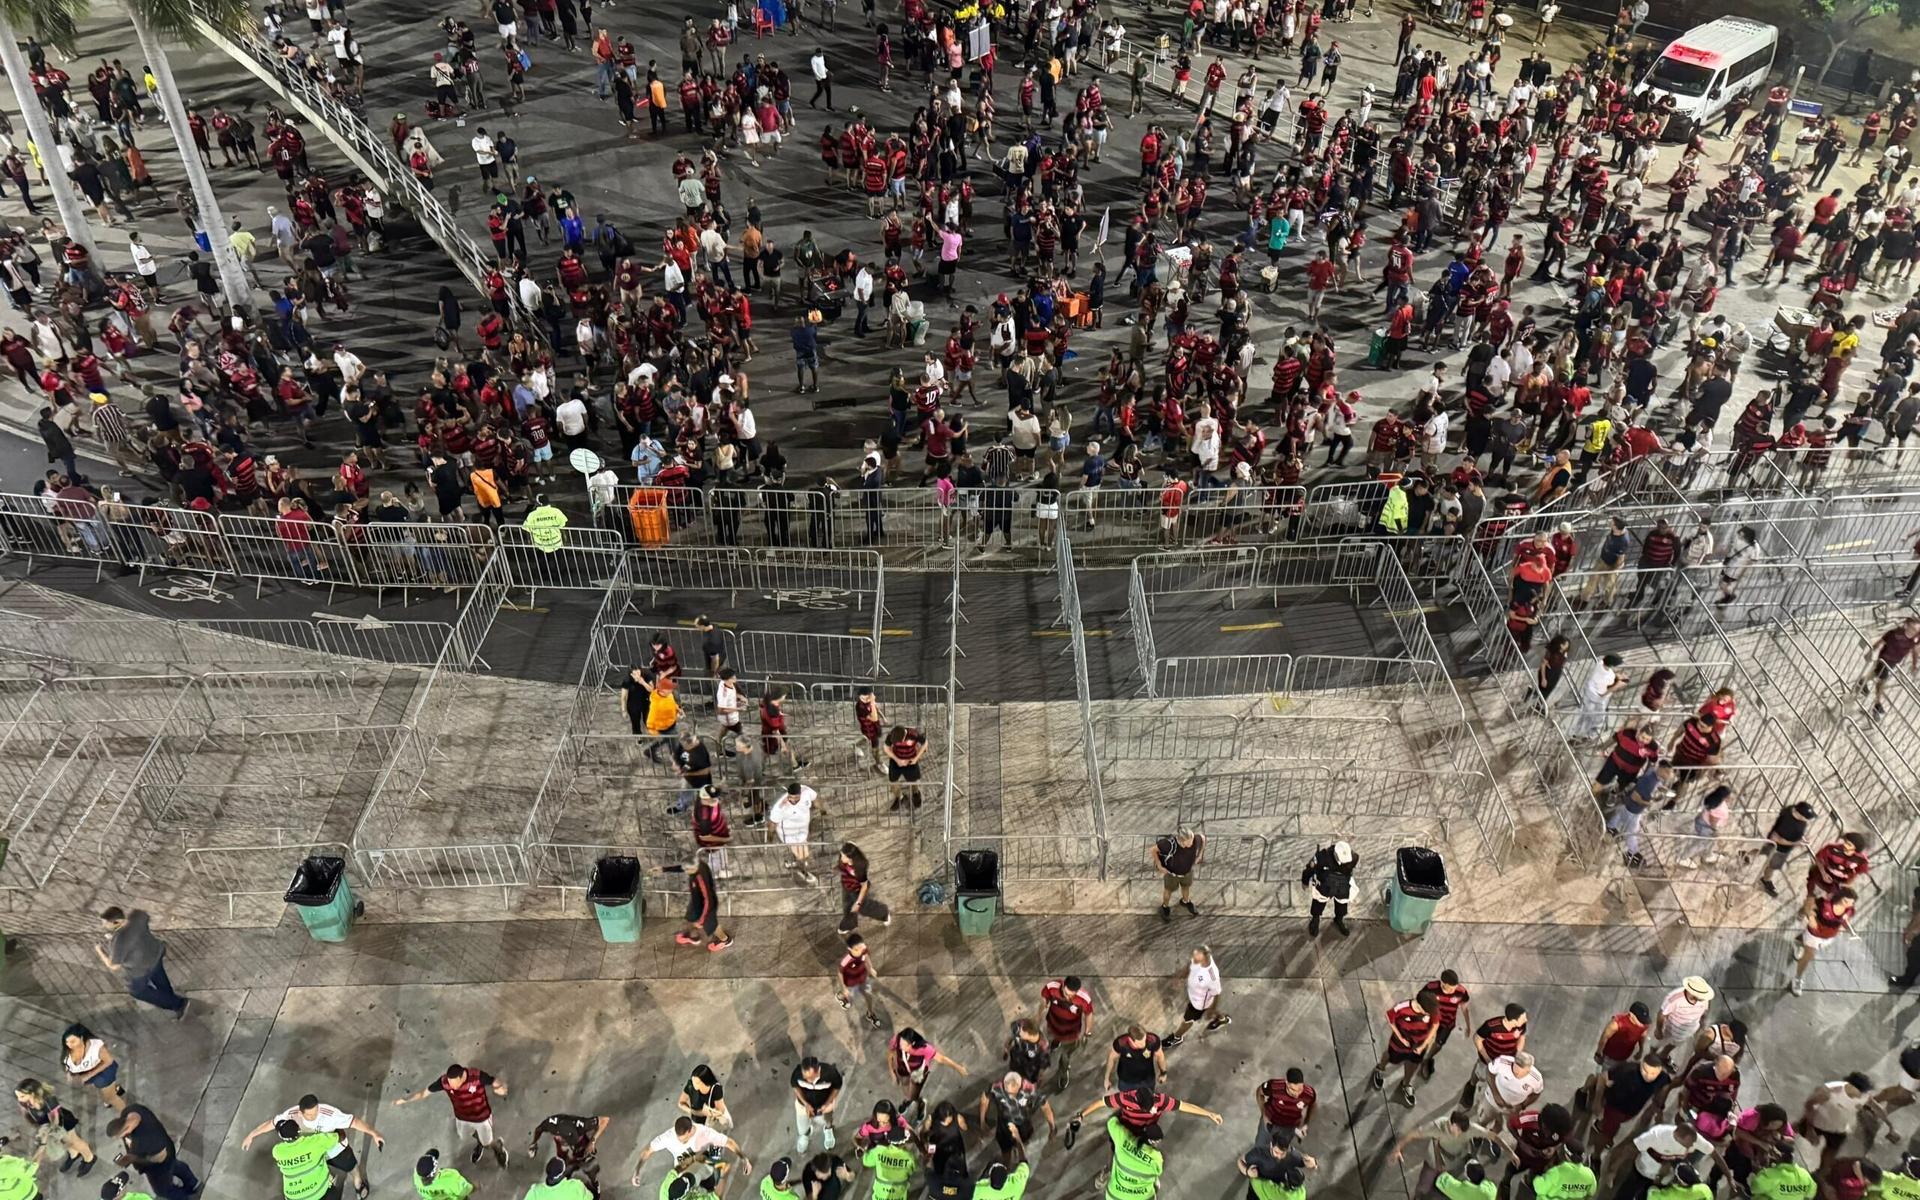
point(321, 895)
point(1376, 349)
point(614, 892)
point(1418, 885)
point(976, 890)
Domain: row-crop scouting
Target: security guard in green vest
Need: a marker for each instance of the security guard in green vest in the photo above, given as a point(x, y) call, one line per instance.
point(302, 1159)
point(1903, 1184)
point(1471, 1184)
point(1137, 1162)
point(774, 1186)
point(1002, 1184)
point(545, 525)
point(1782, 1180)
point(435, 1182)
point(116, 1189)
point(19, 1177)
point(1685, 1185)
point(557, 1185)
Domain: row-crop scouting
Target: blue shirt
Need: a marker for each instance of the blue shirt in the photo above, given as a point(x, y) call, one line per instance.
point(1095, 468)
point(805, 341)
point(1457, 273)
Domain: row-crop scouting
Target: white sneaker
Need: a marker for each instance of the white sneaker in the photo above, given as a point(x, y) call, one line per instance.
point(826, 1138)
point(800, 1144)
point(1797, 987)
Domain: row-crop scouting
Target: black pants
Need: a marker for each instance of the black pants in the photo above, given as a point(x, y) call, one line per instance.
point(1318, 907)
point(1911, 971)
point(822, 87)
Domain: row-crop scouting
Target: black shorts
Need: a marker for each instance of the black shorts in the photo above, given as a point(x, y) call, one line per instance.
point(1882, 669)
point(343, 1162)
point(903, 772)
point(1195, 1014)
point(1396, 1053)
point(1003, 1134)
point(709, 922)
point(1610, 774)
point(1440, 1038)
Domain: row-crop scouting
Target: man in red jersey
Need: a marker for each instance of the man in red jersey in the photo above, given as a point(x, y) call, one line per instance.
point(1411, 1028)
point(1066, 1013)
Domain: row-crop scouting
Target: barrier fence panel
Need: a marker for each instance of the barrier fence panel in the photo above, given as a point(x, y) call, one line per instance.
point(174, 539)
point(421, 554)
point(623, 647)
point(66, 779)
point(58, 529)
point(1040, 858)
point(786, 655)
point(1336, 510)
point(771, 517)
point(1228, 568)
point(1140, 623)
point(264, 869)
point(397, 643)
point(1198, 676)
point(500, 865)
point(268, 548)
point(585, 560)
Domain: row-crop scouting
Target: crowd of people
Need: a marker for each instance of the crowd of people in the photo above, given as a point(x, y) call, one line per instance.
point(1660, 1113)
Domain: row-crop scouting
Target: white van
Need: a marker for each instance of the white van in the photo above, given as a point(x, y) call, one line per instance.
point(1706, 67)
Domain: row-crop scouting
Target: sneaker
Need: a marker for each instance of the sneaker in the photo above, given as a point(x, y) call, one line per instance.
point(1170, 1041)
point(1406, 1096)
point(826, 1137)
point(1894, 981)
point(1340, 924)
point(685, 940)
point(874, 1020)
point(1219, 1023)
point(68, 1165)
point(1166, 914)
point(478, 1150)
point(1797, 987)
point(1313, 926)
point(86, 1166)
point(1191, 910)
point(800, 1145)
point(1377, 1080)
point(717, 947)
point(1635, 860)
point(846, 1002)
point(1767, 886)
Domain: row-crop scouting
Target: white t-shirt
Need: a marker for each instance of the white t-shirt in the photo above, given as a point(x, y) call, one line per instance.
point(1594, 692)
point(1836, 1111)
point(326, 1119)
point(1657, 1140)
point(1513, 1089)
point(1203, 984)
point(726, 703)
point(89, 1057)
point(483, 150)
point(1683, 1013)
point(572, 417)
point(793, 816)
point(703, 1138)
point(142, 259)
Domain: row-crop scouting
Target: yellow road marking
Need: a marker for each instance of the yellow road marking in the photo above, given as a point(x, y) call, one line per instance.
point(688, 623)
point(883, 632)
point(1853, 545)
point(1252, 628)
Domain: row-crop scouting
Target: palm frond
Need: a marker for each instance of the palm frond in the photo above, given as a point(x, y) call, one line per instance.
point(55, 22)
point(174, 19)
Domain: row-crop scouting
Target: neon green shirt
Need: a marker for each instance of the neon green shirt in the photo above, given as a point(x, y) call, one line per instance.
point(1272, 1189)
point(447, 1184)
point(303, 1165)
point(892, 1167)
point(1782, 1181)
point(1393, 514)
point(19, 1178)
point(545, 526)
point(697, 1193)
point(566, 1189)
point(1895, 1185)
point(1137, 1166)
point(1674, 1191)
point(1454, 1188)
point(1016, 1186)
point(1568, 1181)
point(769, 1190)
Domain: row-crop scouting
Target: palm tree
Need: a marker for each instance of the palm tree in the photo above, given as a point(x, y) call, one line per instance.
point(175, 18)
point(43, 15)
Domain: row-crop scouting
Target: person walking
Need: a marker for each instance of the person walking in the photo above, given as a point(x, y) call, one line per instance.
point(816, 1090)
point(856, 891)
point(857, 975)
point(1176, 856)
point(148, 1148)
point(139, 958)
point(87, 1059)
point(1681, 1014)
point(466, 1090)
point(910, 1059)
point(703, 906)
point(1411, 1028)
point(1066, 1013)
point(1328, 878)
point(1204, 987)
point(576, 1145)
point(302, 1160)
point(53, 1124)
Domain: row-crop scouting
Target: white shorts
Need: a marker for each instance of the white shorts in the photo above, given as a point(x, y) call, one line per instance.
point(1169, 522)
point(481, 1130)
point(1809, 938)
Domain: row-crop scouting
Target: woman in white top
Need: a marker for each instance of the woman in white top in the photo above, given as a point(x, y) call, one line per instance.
point(87, 1060)
point(1203, 998)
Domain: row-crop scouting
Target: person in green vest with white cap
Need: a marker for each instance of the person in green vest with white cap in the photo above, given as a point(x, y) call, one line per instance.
point(1137, 1161)
point(19, 1177)
point(116, 1189)
point(1470, 1184)
point(435, 1182)
point(892, 1162)
point(775, 1185)
point(545, 525)
point(682, 1184)
point(1684, 1184)
point(1001, 1184)
point(557, 1186)
point(302, 1159)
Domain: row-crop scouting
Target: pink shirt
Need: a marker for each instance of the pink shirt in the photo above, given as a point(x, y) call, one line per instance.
point(949, 246)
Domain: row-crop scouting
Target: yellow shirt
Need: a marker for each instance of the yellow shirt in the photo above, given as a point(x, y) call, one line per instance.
point(1843, 344)
point(664, 713)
